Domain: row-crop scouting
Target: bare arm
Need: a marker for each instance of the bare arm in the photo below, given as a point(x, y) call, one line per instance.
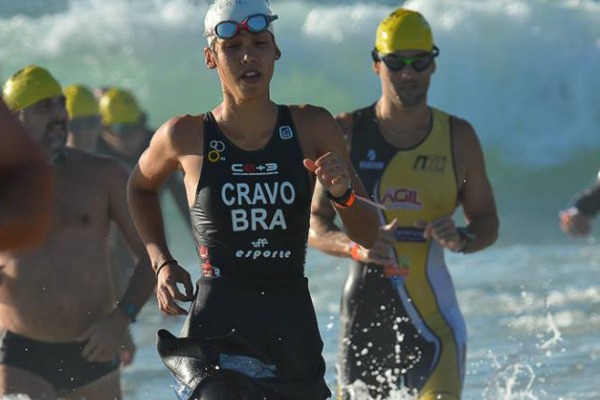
point(325, 235)
point(156, 165)
point(104, 338)
point(142, 283)
point(26, 186)
point(476, 193)
point(335, 173)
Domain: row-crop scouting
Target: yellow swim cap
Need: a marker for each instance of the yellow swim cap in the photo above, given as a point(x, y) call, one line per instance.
point(28, 86)
point(81, 102)
point(403, 30)
point(118, 106)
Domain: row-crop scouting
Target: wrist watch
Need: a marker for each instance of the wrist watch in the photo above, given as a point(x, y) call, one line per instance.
point(128, 309)
point(467, 235)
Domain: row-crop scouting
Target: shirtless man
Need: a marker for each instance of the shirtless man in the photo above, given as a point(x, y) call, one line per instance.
point(85, 124)
point(85, 128)
point(56, 302)
point(25, 186)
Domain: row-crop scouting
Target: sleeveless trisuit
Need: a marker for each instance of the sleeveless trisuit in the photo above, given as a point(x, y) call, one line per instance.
point(252, 325)
point(403, 326)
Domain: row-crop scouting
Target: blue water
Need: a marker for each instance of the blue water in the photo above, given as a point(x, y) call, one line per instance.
point(524, 73)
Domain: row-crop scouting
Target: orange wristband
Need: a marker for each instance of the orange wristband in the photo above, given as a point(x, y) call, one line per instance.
point(348, 203)
point(355, 251)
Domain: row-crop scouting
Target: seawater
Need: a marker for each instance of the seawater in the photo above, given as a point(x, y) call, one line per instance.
point(524, 73)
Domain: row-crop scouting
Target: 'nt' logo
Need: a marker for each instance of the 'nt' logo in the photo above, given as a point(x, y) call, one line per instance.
point(430, 163)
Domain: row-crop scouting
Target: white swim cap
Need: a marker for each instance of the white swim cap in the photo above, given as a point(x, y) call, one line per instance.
point(233, 10)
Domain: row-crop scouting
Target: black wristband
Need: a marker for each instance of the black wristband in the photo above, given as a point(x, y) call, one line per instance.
point(468, 235)
point(128, 309)
point(341, 199)
point(164, 264)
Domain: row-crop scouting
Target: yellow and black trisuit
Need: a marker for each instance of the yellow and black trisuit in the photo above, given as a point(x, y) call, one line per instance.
point(401, 326)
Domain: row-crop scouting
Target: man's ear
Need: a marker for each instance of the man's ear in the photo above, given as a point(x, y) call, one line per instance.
point(376, 67)
point(277, 53)
point(209, 58)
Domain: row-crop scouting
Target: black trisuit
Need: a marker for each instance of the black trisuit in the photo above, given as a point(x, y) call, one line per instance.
point(251, 332)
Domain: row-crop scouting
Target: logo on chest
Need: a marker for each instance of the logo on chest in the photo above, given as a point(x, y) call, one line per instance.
point(254, 169)
point(286, 132)
point(401, 198)
point(215, 152)
point(371, 162)
point(430, 163)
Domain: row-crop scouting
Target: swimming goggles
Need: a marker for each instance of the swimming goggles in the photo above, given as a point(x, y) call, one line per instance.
point(255, 23)
point(397, 63)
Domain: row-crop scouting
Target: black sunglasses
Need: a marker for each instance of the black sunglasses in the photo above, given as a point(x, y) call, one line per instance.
point(397, 63)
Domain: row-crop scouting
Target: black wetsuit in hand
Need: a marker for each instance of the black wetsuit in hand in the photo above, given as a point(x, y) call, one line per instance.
point(252, 330)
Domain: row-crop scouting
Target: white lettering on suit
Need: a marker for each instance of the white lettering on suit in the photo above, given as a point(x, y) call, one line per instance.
point(260, 193)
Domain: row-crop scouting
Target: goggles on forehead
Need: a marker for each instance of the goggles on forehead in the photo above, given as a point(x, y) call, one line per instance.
point(397, 63)
point(255, 23)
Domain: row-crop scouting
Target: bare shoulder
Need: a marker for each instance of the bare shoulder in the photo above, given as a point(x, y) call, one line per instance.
point(318, 130)
point(463, 131)
point(181, 132)
point(310, 112)
point(313, 120)
point(468, 152)
point(103, 167)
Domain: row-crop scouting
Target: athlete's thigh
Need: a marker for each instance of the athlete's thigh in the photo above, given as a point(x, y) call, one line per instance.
point(19, 381)
point(440, 374)
point(106, 388)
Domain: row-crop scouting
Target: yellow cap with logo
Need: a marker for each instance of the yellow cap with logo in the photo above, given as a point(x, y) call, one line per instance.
point(403, 30)
point(29, 86)
point(80, 102)
point(118, 106)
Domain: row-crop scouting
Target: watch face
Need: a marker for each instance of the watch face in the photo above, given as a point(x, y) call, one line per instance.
point(128, 309)
point(466, 233)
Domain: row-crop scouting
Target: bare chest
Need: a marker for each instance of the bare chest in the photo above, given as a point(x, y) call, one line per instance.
point(81, 201)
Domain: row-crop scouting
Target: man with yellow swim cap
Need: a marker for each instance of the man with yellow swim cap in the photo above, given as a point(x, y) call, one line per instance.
point(401, 324)
point(125, 137)
point(84, 118)
point(58, 303)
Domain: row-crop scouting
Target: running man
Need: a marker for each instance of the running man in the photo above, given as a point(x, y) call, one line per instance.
point(400, 320)
point(60, 327)
point(249, 166)
point(85, 128)
point(85, 124)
